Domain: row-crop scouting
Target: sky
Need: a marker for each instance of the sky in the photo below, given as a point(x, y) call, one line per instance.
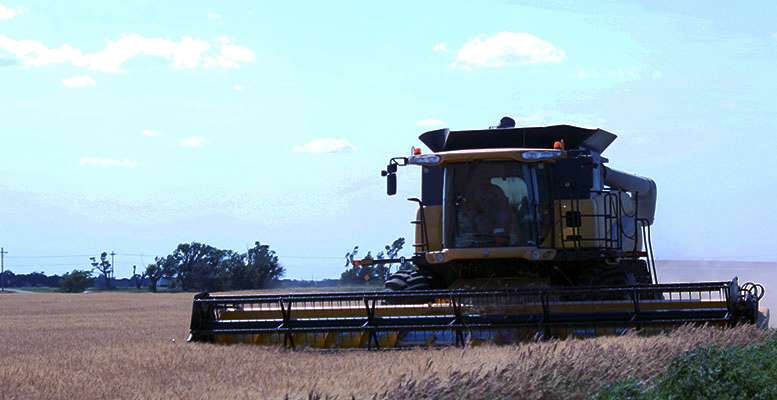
point(133, 126)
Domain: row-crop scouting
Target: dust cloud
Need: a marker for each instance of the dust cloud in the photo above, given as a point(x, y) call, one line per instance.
point(764, 273)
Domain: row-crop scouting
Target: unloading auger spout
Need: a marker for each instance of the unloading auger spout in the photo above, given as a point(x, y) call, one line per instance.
point(643, 189)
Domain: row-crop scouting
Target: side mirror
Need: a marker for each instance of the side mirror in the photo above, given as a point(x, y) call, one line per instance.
point(391, 184)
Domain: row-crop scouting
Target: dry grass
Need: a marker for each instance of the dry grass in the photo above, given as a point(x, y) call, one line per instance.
point(120, 346)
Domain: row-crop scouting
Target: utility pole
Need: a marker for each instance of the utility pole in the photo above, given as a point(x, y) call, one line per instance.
point(2, 269)
point(113, 266)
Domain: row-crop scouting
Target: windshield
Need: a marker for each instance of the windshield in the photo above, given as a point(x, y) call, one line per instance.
point(487, 205)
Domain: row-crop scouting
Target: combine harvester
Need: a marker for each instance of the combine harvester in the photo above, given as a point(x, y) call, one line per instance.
point(521, 234)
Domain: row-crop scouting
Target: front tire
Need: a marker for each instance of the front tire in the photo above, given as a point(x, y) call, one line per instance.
point(405, 280)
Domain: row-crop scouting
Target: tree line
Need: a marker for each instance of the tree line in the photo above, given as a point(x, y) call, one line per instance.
point(191, 266)
point(9, 279)
point(199, 266)
point(203, 267)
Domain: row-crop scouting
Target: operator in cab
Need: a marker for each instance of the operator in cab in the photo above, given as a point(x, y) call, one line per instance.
point(486, 210)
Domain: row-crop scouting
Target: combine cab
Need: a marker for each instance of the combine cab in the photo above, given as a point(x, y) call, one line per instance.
point(521, 233)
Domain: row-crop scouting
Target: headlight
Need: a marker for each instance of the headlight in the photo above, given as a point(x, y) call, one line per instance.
point(424, 159)
point(540, 155)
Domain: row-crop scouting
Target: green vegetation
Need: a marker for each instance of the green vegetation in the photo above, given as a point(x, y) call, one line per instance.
point(76, 281)
point(203, 267)
point(190, 266)
point(153, 273)
point(746, 372)
point(33, 279)
point(105, 267)
point(357, 273)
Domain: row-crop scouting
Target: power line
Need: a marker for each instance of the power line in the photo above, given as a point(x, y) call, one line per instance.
point(30, 263)
point(45, 265)
point(147, 255)
point(279, 256)
point(55, 256)
point(113, 266)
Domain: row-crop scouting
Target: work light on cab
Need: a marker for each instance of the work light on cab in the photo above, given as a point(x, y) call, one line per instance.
point(540, 155)
point(424, 159)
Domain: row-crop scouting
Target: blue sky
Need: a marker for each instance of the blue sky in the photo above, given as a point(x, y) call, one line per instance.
point(133, 126)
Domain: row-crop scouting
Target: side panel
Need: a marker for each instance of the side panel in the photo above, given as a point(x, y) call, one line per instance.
point(571, 237)
point(431, 196)
point(433, 216)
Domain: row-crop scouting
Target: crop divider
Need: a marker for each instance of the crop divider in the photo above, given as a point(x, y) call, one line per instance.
point(285, 326)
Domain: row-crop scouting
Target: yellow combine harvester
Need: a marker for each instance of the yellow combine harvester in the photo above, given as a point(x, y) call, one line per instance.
point(521, 233)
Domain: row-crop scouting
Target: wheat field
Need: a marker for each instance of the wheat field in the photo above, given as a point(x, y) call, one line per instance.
point(130, 345)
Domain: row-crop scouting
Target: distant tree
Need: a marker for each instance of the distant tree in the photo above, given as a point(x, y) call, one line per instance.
point(76, 281)
point(169, 268)
point(391, 251)
point(104, 266)
point(260, 268)
point(7, 279)
point(154, 273)
point(231, 272)
point(137, 279)
point(358, 273)
point(38, 279)
point(349, 256)
point(194, 266)
point(355, 273)
point(200, 266)
point(33, 279)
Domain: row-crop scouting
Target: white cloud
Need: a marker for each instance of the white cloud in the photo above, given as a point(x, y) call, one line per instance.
point(230, 55)
point(214, 16)
point(430, 122)
point(78, 82)
point(325, 145)
point(238, 88)
point(774, 35)
point(149, 133)
point(504, 49)
point(193, 142)
point(440, 48)
point(9, 12)
point(107, 162)
point(185, 53)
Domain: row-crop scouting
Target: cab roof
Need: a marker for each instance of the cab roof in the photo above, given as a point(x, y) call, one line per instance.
point(530, 137)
